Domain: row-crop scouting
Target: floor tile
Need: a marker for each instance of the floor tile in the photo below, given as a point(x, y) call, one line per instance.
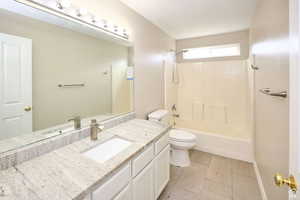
point(192, 178)
point(218, 189)
point(245, 188)
point(164, 195)
point(220, 170)
point(201, 157)
point(243, 168)
point(206, 195)
point(175, 172)
point(182, 194)
point(212, 177)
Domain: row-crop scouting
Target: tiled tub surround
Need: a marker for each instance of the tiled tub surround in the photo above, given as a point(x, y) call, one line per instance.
point(66, 174)
point(31, 146)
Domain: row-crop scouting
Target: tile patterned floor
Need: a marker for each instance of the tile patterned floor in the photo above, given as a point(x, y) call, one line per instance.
point(212, 177)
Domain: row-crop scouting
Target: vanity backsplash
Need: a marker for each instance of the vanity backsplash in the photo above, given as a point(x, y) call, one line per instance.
point(30, 151)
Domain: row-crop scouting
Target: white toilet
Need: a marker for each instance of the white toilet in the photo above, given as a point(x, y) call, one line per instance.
point(181, 141)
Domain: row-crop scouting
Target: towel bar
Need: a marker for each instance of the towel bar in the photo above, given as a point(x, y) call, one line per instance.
point(71, 85)
point(269, 92)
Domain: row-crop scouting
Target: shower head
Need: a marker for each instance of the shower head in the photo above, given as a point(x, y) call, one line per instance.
point(181, 51)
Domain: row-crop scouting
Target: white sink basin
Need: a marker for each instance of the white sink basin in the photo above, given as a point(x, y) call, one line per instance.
point(107, 150)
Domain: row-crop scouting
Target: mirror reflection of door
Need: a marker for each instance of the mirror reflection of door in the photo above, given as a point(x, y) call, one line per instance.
point(15, 86)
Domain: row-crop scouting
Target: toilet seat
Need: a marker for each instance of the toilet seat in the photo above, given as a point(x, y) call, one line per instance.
point(181, 136)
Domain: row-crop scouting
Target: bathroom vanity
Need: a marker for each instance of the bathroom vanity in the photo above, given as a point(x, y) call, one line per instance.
point(142, 177)
point(139, 171)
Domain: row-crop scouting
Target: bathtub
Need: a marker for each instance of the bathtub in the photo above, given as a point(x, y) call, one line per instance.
point(230, 147)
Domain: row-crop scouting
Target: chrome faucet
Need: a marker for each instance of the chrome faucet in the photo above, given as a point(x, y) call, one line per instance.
point(77, 122)
point(95, 129)
point(176, 115)
point(174, 108)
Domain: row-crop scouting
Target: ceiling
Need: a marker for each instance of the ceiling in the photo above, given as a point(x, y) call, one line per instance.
point(193, 18)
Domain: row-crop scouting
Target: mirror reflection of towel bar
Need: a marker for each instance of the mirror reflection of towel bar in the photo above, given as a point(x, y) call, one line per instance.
point(269, 92)
point(254, 67)
point(71, 85)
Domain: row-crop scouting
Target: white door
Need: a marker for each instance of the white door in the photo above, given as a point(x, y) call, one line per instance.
point(162, 170)
point(15, 86)
point(143, 184)
point(294, 95)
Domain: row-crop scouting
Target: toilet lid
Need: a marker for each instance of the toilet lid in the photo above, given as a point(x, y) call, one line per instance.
point(183, 136)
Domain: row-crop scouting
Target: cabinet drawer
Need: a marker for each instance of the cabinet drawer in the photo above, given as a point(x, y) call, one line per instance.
point(114, 185)
point(161, 143)
point(142, 160)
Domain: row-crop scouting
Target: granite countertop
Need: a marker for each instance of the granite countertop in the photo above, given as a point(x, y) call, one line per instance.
point(66, 174)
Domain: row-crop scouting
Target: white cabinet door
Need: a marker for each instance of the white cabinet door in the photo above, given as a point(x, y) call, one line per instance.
point(125, 194)
point(162, 170)
point(88, 197)
point(15, 86)
point(114, 185)
point(143, 184)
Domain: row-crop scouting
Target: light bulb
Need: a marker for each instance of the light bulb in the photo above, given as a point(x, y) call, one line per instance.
point(125, 32)
point(115, 28)
point(120, 31)
point(72, 12)
point(94, 19)
point(111, 27)
point(52, 4)
point(39, 1)
point(82, 12)
point(63, 4)
point(102, 23)
point(88, 18)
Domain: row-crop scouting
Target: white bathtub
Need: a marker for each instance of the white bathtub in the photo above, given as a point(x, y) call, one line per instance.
point(231, 147)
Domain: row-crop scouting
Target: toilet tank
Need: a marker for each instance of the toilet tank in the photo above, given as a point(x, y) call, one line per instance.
point(159, 116)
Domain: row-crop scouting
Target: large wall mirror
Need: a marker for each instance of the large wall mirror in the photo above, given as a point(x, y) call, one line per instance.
point(51, 74)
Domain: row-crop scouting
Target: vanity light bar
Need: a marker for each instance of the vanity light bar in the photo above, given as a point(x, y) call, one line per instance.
point(64, 8)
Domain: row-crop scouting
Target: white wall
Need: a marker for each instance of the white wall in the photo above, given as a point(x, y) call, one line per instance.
point(150, 44)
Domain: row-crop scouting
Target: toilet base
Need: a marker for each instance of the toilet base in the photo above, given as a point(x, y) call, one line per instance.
point(180, 158)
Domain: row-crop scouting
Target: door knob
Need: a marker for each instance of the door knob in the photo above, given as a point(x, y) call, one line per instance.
point(28, 108)
point(290, 181)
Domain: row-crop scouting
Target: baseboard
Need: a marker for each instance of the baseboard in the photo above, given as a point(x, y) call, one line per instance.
point(260, 183)
point(227, 154)
point(235, 148)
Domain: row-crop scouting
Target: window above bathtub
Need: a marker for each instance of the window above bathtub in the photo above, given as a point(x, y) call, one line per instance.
point(212, 51)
